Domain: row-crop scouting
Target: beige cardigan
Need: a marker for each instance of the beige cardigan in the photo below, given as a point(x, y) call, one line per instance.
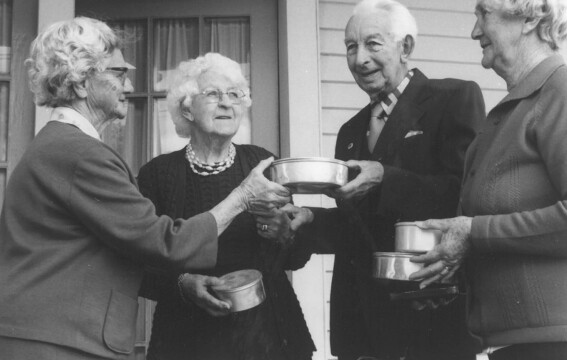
point(515, 186)
point(75, 234)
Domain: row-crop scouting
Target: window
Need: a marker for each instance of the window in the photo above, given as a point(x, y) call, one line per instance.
point(156, 46)
point(5, 81)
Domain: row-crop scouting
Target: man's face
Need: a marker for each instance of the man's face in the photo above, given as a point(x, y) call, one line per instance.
point(375, 59)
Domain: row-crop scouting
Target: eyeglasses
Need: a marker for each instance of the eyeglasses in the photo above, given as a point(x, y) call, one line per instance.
point(119, 72)
point(215, 95)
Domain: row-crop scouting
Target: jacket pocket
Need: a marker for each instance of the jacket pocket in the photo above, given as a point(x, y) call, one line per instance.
point(119, 332)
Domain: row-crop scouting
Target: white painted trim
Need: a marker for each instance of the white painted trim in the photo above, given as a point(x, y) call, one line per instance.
point(50, 11)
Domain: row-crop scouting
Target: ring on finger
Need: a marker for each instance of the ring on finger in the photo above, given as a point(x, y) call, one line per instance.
point(445, 271)
point(264, 227)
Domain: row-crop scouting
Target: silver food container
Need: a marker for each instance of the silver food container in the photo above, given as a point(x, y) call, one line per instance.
point(309, 175)
point(393, 266)
point(411, 238)
point(243, 289)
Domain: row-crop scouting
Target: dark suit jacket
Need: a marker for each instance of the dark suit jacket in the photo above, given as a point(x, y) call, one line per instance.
point(422, 148)
point(74, 235)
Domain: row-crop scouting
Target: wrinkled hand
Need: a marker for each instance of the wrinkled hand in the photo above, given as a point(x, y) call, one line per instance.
point(195, 288)
point(261, 194)
point(444, 259)
point(282, 224)
point(370, 176)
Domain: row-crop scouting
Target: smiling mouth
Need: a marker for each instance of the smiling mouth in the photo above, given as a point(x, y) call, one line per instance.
point(368, 73)
point(223, 117)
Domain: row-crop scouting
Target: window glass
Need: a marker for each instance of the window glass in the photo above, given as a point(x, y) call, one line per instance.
point(5, 35)
point(2, 186)
point(127, 135)
point(229, 36)
point(4, 106)
point(175, 40)
point(165, 139)
point(135, 50)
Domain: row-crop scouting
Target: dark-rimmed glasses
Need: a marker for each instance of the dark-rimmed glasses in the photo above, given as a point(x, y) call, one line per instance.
point(120, 72)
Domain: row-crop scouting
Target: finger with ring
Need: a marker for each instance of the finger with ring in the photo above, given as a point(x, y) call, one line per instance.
point(264, 227)
point(445, 271)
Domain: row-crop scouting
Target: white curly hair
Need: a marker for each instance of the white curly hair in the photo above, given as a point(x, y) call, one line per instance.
point(186, 84)
point(552, 15)
point(65, 54)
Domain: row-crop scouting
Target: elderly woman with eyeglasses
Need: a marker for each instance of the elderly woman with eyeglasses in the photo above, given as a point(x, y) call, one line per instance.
point(75, 232)
point(512, 237)
point(207, 102)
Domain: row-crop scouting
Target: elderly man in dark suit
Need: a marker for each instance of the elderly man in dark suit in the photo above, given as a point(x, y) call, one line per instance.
point(407, 147)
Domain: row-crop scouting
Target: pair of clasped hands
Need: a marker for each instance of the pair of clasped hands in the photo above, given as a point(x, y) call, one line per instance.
point(277, 219)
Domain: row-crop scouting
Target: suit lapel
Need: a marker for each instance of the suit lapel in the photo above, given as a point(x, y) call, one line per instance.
point(404, 117)
point(351, 143)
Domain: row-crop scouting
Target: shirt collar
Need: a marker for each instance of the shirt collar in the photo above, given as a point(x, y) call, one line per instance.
point(389, 102)
point(535, 79)
point(70, 116)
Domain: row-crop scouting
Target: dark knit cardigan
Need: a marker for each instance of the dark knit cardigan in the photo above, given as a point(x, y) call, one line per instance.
point(274, 330)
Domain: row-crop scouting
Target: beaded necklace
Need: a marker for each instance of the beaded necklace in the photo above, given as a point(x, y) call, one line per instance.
point(208, 169)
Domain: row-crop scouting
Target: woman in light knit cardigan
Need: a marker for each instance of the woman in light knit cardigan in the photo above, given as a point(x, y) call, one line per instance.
point(512, 239)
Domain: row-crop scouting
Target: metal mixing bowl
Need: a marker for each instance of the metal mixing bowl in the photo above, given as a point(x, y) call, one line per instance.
point(309, 175)
point(413, 239)
point(393, 265)
point(243, 289)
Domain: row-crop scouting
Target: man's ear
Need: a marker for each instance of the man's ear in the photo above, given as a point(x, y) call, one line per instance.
point(81, 89)
point(186, 112)
point(408, 44)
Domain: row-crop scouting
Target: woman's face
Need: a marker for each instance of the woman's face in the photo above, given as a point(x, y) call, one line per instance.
point(499, 34)
point(106, 90)
point(211, 116)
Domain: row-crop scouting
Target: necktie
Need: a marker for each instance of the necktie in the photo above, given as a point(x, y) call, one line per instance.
point(377, 121)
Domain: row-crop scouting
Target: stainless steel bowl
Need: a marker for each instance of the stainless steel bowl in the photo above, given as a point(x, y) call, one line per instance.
point(243, 289)
point(413, 239)
point(393, 265)
point(309, 175)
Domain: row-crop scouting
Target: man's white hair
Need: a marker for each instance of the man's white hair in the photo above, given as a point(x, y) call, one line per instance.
point(403, 22)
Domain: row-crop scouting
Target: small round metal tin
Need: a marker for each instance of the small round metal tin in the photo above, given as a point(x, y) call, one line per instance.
point(309, 175)
point(243, 289)
point(411, 238)
point(393, 265)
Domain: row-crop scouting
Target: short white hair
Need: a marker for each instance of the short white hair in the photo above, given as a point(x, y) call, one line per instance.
point(65, 54)
point(403, 22)
point(186, 84)
point(552, 16)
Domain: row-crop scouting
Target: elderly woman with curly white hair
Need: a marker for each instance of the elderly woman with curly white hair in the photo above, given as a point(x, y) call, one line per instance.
point(512, 237)
point(207, 101)
point(75, 232)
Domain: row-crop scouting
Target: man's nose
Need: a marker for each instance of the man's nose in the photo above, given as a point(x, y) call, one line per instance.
point(362, 55)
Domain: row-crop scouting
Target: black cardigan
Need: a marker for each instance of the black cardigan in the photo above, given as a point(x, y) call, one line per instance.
point(276, 329)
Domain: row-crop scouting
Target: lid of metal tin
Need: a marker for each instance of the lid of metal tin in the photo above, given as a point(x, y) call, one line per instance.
point(407, 223)
point(309, 159)
point(239, 280)
point(394, 254)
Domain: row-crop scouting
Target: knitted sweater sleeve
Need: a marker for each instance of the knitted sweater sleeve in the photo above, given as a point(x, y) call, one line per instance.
point(538, 231)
